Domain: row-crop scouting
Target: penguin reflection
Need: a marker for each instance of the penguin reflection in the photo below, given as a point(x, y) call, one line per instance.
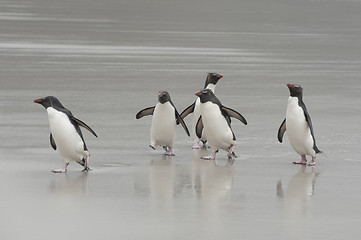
point(70, 184)
point(296, 200)
point(211, 182)
point(161, 181)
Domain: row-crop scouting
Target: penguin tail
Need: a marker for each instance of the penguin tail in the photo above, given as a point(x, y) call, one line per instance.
point(81, 162)
point(318, 151)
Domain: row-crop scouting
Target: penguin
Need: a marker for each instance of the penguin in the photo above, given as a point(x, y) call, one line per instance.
point(65, 133)
point(299, 127)
point(216, 121)
point(165, 118)
point(210, 83)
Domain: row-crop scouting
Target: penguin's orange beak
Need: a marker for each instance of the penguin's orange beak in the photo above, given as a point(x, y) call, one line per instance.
point(289, 85)
point(38, 100)
point(198, 94)
point(220, 75)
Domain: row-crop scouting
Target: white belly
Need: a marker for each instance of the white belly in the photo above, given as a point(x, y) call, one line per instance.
point(197, 114)
point(219, 134)
point(68, 142)
point(297, 129)
point(163, 128)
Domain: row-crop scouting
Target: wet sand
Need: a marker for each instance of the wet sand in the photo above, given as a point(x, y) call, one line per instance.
point(107, 60)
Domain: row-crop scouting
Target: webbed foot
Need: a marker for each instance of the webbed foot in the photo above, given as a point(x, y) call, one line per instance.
point(169, 151)
point(62, 170)
point(210, 157)
point(196, 145)
point(303, 160)
point(300, 162)
point(313, 162)
point(86, 169)
point(59, 171)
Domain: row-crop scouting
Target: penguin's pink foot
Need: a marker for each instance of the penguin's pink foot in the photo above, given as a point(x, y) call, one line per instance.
point(62, 170)
point(230, 152)
point(210, 157)
point(313, 162)
point(86, 169)
point(196, 145)
point(169, 151)
point(59, 171)
point(86, 164)
point(303, 160)
point(300, 162)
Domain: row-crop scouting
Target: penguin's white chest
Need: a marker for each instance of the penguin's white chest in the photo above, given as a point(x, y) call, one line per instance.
point(211, 86)
point(67, 140)
point(163, 128)
point(196, 115)
point(219, 134)
point(298, 131)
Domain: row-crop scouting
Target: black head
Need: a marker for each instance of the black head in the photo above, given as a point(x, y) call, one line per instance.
point(163, 97)
point(49, 101)
point(206, 95)
point(212, 78)
point(295, 90)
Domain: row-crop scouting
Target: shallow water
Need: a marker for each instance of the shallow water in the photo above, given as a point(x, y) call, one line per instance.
point(106, 60)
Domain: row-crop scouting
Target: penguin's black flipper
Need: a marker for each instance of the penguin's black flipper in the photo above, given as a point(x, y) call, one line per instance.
point(281, 131)
point(199, 127)
point(307, 117)
point(52, 142)
point(232, 113)
point(83, 124)
point(180, 120)
point(308, 120)
point(188, 110)
point(145, 112)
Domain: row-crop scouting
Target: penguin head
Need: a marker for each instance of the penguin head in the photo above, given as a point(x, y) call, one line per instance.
point(212, 78)
point(205, 95)
point(163, 97)
point(49, 101)
point(295, 90)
